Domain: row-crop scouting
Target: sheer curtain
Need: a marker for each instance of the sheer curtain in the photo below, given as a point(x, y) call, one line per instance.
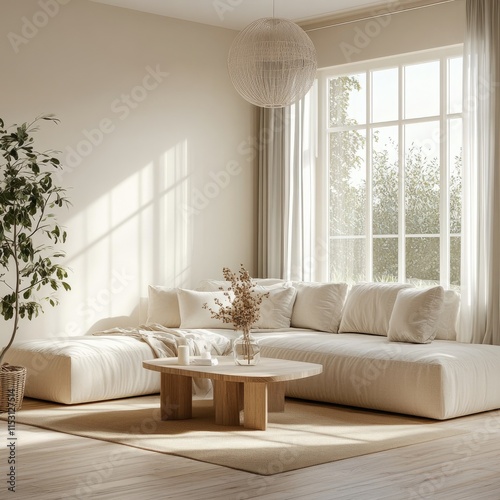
point(292, 223)
point(480, 310)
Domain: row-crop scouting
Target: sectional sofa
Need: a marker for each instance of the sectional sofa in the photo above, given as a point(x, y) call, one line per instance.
point(389, 347)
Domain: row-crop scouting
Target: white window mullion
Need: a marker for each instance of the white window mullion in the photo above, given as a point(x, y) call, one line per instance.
point(444, 209)
point(323, 180)
point(401, 197)
point(369, 176)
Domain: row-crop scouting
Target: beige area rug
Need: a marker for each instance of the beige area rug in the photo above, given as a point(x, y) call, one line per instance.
point(305, 434)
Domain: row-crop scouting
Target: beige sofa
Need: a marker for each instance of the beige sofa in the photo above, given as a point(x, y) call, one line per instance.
point(385, 347)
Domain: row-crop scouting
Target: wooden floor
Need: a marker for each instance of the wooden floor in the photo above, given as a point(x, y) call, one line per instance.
point(51, 465)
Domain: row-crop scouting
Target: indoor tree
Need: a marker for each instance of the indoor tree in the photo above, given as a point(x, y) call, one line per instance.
point(29, 273)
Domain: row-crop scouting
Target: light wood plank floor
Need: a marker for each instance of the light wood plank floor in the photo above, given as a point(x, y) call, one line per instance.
point(52, 465)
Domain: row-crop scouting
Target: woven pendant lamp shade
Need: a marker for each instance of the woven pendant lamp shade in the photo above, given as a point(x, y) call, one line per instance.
point(272, 63)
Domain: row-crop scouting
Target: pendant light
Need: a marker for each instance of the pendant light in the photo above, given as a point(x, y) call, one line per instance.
point(272, 62)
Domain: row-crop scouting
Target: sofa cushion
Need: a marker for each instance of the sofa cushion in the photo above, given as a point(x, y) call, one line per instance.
point(276, 309)
point(163, 307)
point(318, 306)
point(415, 315)
point(81, 369)
point(192, 313)
point(447, 323)
point(368, 308)
point(443, 379)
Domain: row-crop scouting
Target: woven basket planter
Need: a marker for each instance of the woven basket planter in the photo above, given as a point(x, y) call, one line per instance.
point(12, 382)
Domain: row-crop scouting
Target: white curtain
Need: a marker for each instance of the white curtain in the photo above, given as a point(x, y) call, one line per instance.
point(292, 236)
point(480, 310)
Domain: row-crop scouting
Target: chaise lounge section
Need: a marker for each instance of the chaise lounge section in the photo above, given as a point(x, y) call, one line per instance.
point(82, 369)
point(441, 380)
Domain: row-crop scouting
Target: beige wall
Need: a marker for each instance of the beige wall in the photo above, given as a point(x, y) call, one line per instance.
point(419, 29)
point(156, 144)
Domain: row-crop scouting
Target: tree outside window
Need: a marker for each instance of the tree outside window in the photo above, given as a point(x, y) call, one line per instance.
point(394, 152)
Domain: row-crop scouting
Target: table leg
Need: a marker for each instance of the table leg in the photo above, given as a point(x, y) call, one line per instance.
point(276, 397)
point(255, 406)
point(228, 401)
point(176, 397)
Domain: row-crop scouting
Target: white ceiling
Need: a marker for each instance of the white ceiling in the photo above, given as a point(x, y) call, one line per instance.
point(236, 14)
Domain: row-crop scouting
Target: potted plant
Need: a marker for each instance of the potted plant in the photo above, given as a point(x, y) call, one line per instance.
point(29, 275)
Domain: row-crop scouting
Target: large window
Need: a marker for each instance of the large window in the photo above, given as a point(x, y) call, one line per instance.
point(393, 144)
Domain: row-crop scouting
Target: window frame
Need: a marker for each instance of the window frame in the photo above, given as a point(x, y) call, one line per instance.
point(443, 54)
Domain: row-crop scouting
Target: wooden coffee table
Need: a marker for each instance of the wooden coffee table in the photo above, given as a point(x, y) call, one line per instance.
point(253, 389)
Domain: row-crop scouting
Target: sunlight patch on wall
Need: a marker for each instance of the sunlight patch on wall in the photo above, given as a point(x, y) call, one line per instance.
point(134, 235)
point(176, 239)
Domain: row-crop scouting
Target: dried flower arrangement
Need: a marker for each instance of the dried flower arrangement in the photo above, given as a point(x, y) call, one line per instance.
point(244, 309)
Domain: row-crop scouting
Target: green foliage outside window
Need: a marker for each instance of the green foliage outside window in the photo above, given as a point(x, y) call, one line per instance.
point(420, 177)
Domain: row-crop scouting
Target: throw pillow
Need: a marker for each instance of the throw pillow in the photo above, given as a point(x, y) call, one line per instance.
point(415, 315)
point(163, 306)
point(368, 308)
point(276, 309)
point(191, 309)
point(447, 322)
point(318, 306)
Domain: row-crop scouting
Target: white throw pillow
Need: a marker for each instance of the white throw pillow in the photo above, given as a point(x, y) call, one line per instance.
point(163, 306)
point(191, 309)
point(447, 322)
point(318, 305)
point(368, 308)
point(276, 309)
point(415, 315)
